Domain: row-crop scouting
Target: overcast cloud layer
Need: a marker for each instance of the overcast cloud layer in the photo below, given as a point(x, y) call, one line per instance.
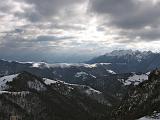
point(76, 30)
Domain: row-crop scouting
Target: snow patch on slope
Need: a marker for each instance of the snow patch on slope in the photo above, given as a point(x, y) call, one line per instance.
point(90, 91)
point(136, 79)
point(49, 81)
point(156, 116)
point(110, 71)
point(81, 74)
point(5, 79)
point(147, 118)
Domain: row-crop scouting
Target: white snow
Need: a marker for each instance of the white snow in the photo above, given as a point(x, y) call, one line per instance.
point(49, 81)
point(148, 73)
point(156, 116)
point(36, 65)
point(81, 74)
point(110, 71)
point(90, 91)
point(136, 79)
point(147, 118)
point(92, 76)
point(5, 79)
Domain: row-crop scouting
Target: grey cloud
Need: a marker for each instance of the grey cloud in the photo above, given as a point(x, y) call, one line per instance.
point(144, 35)
point(10, 41)
point(47, 9)
point(68, 27)
point(130, 17)
point(32, 16)
point(128, 14)
point(50, 38)
point(17, 41)
point(111, 6)
point(5, 7)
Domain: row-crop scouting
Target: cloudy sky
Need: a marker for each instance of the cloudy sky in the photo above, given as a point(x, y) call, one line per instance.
point(76, 30)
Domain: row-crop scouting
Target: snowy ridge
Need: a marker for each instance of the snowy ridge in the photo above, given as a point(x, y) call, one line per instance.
point(5, 79)
point(119, 53)
point(139, 55)
point(88, 89)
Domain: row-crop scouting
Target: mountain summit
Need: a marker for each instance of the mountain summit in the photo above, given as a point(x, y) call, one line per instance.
point(129, 60)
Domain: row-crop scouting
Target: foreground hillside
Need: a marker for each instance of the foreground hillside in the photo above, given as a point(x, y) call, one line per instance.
point(31, 97)
point(141, 100)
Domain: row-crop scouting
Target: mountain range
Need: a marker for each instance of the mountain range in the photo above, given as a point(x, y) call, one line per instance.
point(121, 85)
point(122, 61)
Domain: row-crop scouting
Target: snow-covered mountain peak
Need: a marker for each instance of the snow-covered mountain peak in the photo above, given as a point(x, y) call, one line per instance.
point(138, 55)
point(119, 53)
point(128, 52)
